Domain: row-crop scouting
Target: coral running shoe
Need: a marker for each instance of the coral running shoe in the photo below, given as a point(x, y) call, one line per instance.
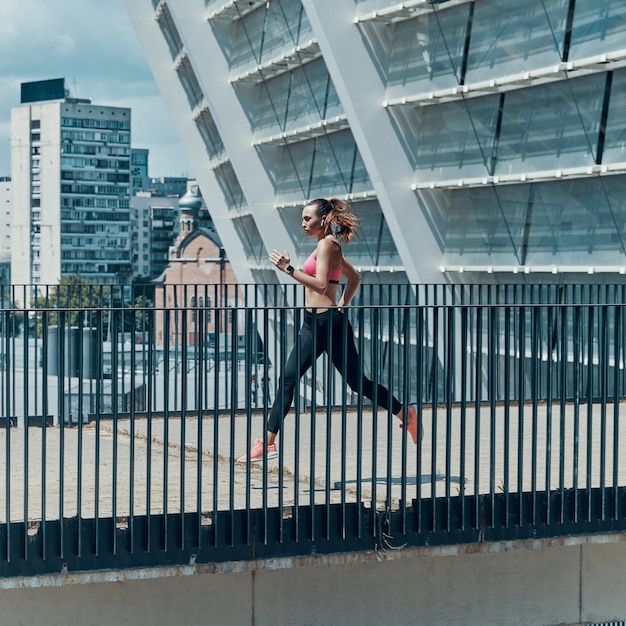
point(256, 454)
point(412, 422)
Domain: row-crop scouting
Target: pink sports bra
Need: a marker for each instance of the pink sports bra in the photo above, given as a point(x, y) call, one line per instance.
point(310, 265)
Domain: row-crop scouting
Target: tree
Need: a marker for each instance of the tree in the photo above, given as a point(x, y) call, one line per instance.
point(77, 297)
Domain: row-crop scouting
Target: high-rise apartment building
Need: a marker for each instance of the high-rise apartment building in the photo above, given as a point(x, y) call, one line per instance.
point(139, 179)
point(155, 220)
point(474, 137)
point(70, 164)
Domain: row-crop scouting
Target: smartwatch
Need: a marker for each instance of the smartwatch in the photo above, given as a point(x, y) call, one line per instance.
point(290, 269)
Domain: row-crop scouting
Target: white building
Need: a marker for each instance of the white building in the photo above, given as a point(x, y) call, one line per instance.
point(478, 140)
point(5, 229)
point(70, 165)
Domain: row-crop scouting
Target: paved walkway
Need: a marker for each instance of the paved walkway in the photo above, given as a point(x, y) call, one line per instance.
point(142, 469)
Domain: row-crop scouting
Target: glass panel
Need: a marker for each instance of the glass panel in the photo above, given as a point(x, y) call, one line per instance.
point(312, 96)
point(374, 245)
point(450, 141)
point(261, 34)
point(210, 136)
point(190, 83)
point(599, 27)
point(551, 126)
point(291, 101)
point(250, 238)
point(286, 25)
point(333, 165)
point(170, 32)
point(615, 142)
point(293, 172)
point(477, 231)
point(247, 40)
point(577, 223)
point(427, 53)
point(510, 36)
point(322, 167)
point(229, 184)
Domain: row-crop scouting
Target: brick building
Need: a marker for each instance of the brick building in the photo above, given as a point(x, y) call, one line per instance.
point(199, 279)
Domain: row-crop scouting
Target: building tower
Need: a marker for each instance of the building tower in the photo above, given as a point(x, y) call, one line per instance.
point(479, 140)
point(70, 164)
point(5, 230)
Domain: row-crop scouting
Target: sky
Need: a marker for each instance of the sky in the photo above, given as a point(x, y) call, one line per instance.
point(92, 44)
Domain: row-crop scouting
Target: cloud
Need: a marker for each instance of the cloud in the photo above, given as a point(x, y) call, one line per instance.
point(93, 45)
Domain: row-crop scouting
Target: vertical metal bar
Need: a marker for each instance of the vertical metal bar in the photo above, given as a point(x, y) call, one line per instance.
point(233, 365)
point(217, 311)
point(492, 354)
point(465, 311)
point(406, 368)
point(44, 431)
point(359, 425)
point(152, 387)
point(82, 326)
point(115, 376)
point(344, 420)
point(477, 408)
point(100, 338)
point(184, 391)
point(248, 503)
point(312, 447)
point(550, 349)
point(508, 356)
point(449, 391)
point(166, 414)
point(590, 371)
point(7, 440)
point(328, 411)
point(419, 377)
point(576, 330)
point(604, 375)
point(618, 357)
point(534, 364)
point(62, 413)
point(26, 388)
point(201, 367)
point(389, 412)
point(435, 397)
point(375, 349)
point(520, 422)
point(131, 410)
point(563, 364)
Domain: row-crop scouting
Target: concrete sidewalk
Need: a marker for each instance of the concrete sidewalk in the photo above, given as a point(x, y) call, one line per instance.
point(151, 467)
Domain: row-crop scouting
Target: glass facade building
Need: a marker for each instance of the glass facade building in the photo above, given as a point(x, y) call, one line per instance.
point(475, 138)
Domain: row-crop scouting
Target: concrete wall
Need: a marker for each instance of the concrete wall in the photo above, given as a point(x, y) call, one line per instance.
point(571, 581)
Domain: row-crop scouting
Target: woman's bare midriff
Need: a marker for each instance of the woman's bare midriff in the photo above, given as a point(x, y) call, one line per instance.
point(321, 301)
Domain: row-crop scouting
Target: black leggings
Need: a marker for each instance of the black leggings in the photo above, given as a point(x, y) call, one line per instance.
point(331, 341)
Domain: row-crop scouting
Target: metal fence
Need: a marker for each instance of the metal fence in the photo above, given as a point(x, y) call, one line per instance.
point(123, 424)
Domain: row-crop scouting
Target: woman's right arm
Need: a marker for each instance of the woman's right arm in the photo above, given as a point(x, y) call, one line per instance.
point(353, 281)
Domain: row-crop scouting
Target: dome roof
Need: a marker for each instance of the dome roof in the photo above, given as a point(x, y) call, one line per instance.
point(190, 202)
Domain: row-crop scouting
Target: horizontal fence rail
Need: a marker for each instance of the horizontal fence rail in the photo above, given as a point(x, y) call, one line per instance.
point(123, 421)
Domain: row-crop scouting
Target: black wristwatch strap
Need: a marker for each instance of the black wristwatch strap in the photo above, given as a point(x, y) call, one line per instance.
point(290, 269)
